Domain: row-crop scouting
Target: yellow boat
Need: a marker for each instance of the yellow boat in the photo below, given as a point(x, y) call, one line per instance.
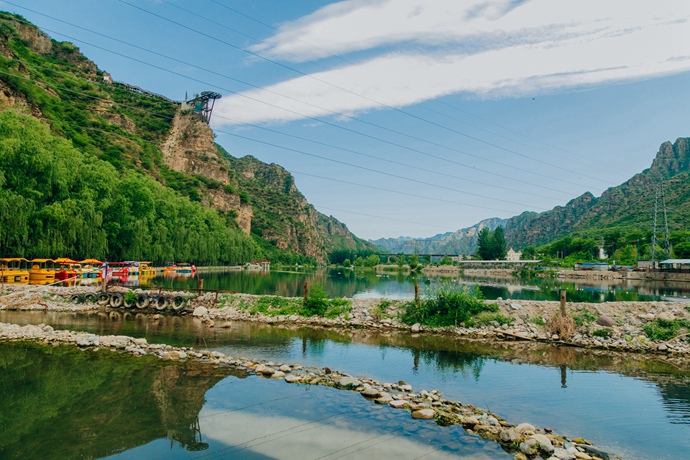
point(145, 269)
point(42, 271)
point(13, 270)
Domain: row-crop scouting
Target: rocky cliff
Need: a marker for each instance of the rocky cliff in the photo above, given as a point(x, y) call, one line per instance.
point(136, 130)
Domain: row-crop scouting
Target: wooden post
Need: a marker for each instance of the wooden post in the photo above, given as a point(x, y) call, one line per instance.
point(200, 284)
point(563, 312)
point(416, 293)
point(306, 290)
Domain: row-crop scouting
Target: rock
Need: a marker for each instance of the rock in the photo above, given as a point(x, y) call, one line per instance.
point(200, 311)
point(508, 435)
point(582, 456)
point(48, 329)
point(563, 454)
point(398, 403)
point(407, 388)
point(520, 456)
point(278, 375)
point(416, 327)
point(347, 382)
point(371, 393)
point(544, 443)
point(226, 325)
point(515, 306)
point(524, 428)
point(423, 414)
point(606, 321)
point(292, 378)
point(285, 368)
point(182, 355)
point(527, 449)
point(662, 347)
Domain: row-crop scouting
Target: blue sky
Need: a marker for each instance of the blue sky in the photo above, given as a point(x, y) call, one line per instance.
point(411, 117)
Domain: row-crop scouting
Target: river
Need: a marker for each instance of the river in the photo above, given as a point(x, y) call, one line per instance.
point(339, 282)
point(117, 406)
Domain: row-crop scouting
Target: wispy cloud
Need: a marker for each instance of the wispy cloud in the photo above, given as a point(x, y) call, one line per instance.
point(417, 50)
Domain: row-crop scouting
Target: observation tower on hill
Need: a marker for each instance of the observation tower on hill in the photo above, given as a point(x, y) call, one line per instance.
point(202, 104)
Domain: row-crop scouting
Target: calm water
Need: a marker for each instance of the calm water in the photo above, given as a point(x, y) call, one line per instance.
point(349, 283)
point(637, 409)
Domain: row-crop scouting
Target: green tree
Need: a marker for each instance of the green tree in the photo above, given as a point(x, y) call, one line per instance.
point(529, 253)
point(498, 244)
point(484, 244)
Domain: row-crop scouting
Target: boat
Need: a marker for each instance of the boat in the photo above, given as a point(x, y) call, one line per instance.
point(42, 271)
point(14, 270)
point(66, 268)
point(180, 269)
point(91, 268)
point(146, 270)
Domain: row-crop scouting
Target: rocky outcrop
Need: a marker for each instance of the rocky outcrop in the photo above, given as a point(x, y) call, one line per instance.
point(190, 148)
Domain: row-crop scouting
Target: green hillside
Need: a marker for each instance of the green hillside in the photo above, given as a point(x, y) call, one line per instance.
point(95, 168)
point(622, 218)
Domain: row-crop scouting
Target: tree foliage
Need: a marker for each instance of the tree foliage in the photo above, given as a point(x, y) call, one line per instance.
point(57, 201)
point(491, 245)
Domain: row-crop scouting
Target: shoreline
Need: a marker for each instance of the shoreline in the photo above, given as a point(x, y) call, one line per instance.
point(523, 439)
point(623, 322)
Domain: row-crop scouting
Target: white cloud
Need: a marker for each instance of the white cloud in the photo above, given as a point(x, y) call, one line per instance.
point(424, 49)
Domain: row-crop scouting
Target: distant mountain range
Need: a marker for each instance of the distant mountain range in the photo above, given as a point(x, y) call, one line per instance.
point(627, 207)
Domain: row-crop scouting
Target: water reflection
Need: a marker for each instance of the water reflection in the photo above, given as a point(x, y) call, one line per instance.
point(632, 405)
point(64, 403)
point(400, 285)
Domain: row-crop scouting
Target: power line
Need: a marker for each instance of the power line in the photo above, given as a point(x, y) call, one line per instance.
point(328, 123)
point(306, 103)
point(311, 76)
point(347, 61)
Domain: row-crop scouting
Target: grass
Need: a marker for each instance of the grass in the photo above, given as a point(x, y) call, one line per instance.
point(603, 333)
point(664, 329)
point(584, 317)
point(275, 306)
point(486, 318)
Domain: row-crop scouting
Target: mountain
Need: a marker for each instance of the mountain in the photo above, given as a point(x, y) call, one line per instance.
point(160, 147)
point(627, 207)
point(463, 241)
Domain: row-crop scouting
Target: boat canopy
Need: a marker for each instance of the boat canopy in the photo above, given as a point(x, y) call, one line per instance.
point(90, 261)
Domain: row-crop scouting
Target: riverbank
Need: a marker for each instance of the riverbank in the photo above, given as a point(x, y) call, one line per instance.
point(522, 439)
point(618, 326)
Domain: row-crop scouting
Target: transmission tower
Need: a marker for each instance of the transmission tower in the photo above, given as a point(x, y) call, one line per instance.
point(667, 246)
point(656, 202)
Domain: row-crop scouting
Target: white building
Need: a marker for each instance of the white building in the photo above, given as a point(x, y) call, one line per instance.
point(512, 255)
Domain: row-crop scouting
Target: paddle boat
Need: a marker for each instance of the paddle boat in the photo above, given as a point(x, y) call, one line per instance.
point(42, 271)
point(180, 269)
point(14, 270)
point(66, 269)
point(91, 268)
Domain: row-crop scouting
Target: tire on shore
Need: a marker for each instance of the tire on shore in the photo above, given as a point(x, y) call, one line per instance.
point(178, 303)
point(143, 301)
point(117, 300)
point(161, 302)
point(76, 298)
point(91, 298)
point(103, 298)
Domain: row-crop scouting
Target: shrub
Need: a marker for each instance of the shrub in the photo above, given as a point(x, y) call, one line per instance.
point(486, 318)
point(446, 305)
point(316, 302)
point(563, 326)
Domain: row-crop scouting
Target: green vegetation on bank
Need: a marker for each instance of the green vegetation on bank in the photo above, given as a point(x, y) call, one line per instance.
point(316, 303)
point(58, 201)
point(447, 305)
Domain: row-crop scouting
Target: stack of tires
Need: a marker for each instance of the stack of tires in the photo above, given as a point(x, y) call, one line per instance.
point(142, 301)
